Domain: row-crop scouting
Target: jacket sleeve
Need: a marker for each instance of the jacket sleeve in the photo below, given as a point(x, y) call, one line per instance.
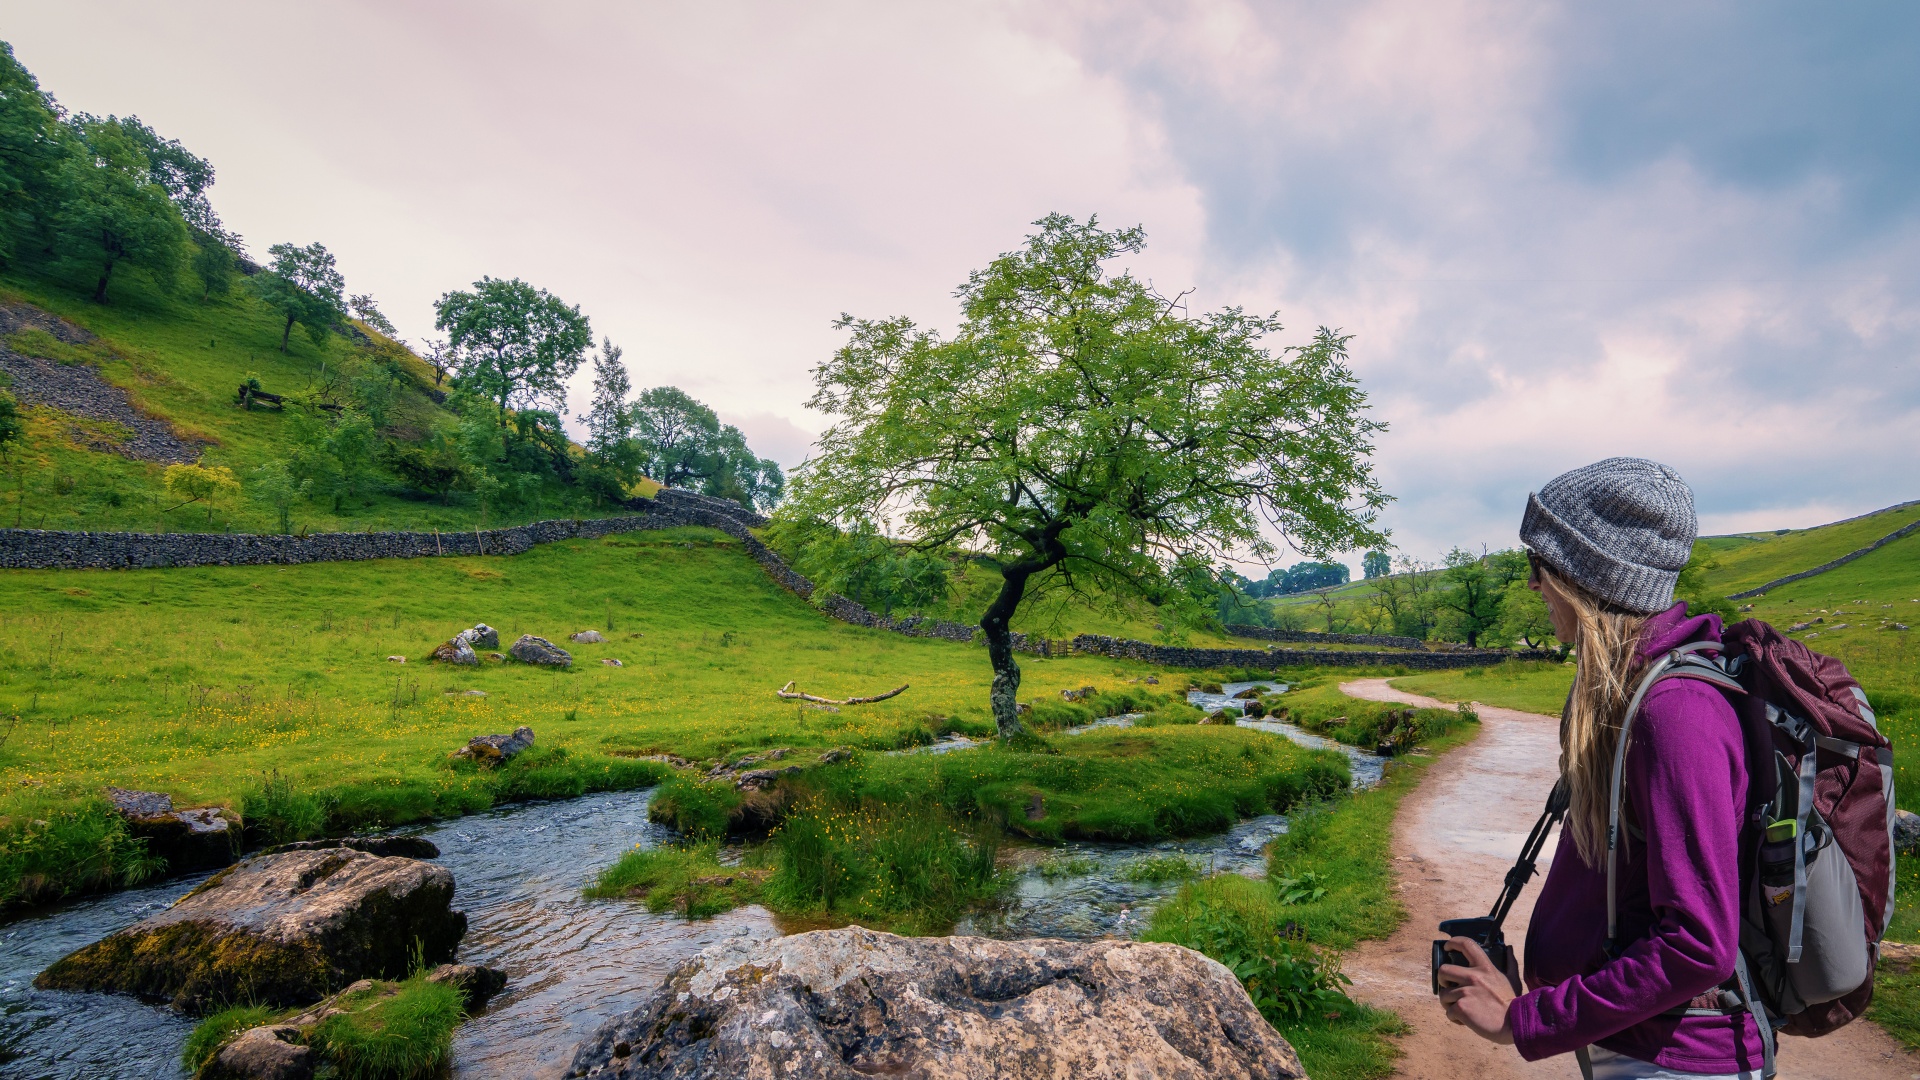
point(1686, 787)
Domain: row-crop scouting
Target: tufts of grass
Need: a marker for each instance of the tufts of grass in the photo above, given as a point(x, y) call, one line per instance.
point(51, 852)
point(699, 810)
point(689, 880)
point(398, 1031)
point(1321, 708)
point(276, 812)
point(217, 1030)
point(1155, 869)
point(914, 868)
point(1056, 867)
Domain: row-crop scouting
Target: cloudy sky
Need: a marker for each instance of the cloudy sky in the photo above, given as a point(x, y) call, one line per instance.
point(1557, 232)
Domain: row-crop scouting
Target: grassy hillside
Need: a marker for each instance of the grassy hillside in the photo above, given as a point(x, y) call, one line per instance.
point(182, 360)
point(1749, 560)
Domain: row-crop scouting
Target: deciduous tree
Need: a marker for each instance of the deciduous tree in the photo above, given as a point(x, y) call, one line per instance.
point(514, 344)
point(305, 287)
point(1083, 431)
point(112, 213)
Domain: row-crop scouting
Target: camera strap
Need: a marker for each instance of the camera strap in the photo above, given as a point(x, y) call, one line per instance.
point(1528, 864)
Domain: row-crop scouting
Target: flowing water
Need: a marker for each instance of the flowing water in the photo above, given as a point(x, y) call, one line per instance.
point(571, 962)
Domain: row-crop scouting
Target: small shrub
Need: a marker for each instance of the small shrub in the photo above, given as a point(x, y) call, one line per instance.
point(1160, 868)
point(403, 1033)
point(277, 812)
point(1287, 978)
point(1467, 713)
point(217, 1030)
point(1304, 888)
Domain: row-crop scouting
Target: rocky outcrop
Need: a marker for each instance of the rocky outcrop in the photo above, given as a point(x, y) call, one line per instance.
point(274, 1052)
point(79, 390)
point(853, 1002)
point(480, 636)
point(200, 838)
point(538, 650)
point(495, 749)
point(477, 985)
point(588, 637)
point(279, 930)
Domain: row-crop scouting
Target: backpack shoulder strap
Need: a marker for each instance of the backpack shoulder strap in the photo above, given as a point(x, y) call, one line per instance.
point(1685, 661)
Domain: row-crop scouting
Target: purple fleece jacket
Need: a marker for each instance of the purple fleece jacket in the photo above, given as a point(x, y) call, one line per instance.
point(1686, 790)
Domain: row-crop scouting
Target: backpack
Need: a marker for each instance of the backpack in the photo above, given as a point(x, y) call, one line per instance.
point(1817, 886)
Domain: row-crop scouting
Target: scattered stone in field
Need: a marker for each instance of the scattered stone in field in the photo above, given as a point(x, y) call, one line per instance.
point(1799, 626)
point(1153, 680)
point(538, 650)
point(817, 707)
point(1897, 626)
point(274, 1052)
point(1906, 832)
point(1748, 607)
point(1081, 694)
point(397, 659)
point(1036, 807)
point(1254, 709)
point(494, 749)
point(1023, 708)
point(636, 634)
point(189, 840)
point(499, 658)
point(280, 930)
point(466, 693)
point(836, 755)
point(1813, 635)
point(835, 1003)
point(611, 662)
point(481, 636)
point(1839, 626)
point(588, 637)
point(1821, 619)
point(477, 985)
point(406, 847)
point(455, 651)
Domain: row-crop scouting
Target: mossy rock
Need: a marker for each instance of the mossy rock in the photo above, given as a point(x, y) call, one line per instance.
point(282, 930)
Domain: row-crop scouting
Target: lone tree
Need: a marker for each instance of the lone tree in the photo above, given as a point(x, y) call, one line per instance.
point(305, 287)
point(514, 344)
point(1083, 432)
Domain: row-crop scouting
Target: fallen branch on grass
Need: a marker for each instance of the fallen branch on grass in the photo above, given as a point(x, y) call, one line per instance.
point(791, 694)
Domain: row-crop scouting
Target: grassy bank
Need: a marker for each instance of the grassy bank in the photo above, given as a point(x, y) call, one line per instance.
point(1329, 885)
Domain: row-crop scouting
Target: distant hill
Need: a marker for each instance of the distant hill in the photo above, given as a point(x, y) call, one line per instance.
point(1748, 560)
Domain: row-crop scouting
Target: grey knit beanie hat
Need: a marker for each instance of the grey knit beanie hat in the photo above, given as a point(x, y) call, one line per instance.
point(1622, 529)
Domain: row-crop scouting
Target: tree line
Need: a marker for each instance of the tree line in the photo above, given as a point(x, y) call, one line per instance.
point(93, 200)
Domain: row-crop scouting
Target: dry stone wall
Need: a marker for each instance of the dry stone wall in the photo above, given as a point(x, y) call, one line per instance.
point(1378, 641)
point(35, 549)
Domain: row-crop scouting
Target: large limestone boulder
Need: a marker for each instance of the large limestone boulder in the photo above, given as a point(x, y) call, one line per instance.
point(197, 839)
point(493, 750)
point(538, 650)
point(280, 930)
point(481, 636)
point(853, 1002)
point(455, 651)
point(588, 637)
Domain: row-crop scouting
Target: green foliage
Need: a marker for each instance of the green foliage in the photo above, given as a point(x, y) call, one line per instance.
point(681, 443)
point(910, 866)
point(1304, 888)
point(33, 143)
point(303, 285)
point(215, 264)
point(689, 880)
point(1523, 619)
point(333, 456)
point(1529, 686)
point(699, 810)
point(51, 852)
point(392, 1033)
point(860, 564)
point(112, 214)
point(1323, 710)
point(1696, 589)
point(1304, 577)
point(1376, 564)
point(212, 486)
point(214, 1032)
point(1475, 589)
point(513, 344)
point(10, 426)
point(1056, 867)
point(273, 485)
point(1081, 433)
point(1160, 868)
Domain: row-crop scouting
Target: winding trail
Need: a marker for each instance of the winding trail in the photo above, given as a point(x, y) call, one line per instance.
point(1453, 841)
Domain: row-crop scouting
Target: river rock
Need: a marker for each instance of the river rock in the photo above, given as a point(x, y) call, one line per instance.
point(853, 1002)
point(405, 847)
point(611, 662)
point(494, 749)
point(280, 930)
point(477, 985)
point(263, 1053)
point(588, 637)
point(196, 839)
point(538, 650)
point(455, 651)
point(481, 636)
point(1906, 831)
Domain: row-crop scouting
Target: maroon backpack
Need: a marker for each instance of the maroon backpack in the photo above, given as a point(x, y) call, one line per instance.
point(1817, 882)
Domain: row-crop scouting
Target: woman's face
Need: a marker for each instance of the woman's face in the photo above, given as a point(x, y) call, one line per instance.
point(1559, 612)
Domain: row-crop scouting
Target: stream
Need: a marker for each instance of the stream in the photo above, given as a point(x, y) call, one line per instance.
point(571, 962)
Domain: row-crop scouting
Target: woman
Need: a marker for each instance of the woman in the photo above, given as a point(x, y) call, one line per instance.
point(1607, 544)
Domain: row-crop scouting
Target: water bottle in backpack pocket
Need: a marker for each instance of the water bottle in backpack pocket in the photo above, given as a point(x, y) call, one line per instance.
point(1834, 957)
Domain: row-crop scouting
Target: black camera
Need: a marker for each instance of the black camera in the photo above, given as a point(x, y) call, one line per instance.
point(1484, 932)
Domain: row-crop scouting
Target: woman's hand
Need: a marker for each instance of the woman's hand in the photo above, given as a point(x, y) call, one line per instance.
point(1477, 995)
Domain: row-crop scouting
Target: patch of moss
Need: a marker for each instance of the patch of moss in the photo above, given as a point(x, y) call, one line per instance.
point(198, 967)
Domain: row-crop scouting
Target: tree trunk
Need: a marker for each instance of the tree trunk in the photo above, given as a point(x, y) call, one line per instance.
point(286, 334)
point(1006, 674)
point(100, 290)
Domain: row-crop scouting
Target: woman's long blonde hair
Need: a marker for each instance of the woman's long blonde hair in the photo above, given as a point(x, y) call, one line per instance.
point(1608, 650)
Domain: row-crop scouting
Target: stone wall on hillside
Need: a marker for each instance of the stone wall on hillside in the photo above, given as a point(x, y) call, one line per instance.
point(1379, 641)
point(1179, 656)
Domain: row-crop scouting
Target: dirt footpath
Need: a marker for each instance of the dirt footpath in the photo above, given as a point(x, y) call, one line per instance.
point(1454, 839)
